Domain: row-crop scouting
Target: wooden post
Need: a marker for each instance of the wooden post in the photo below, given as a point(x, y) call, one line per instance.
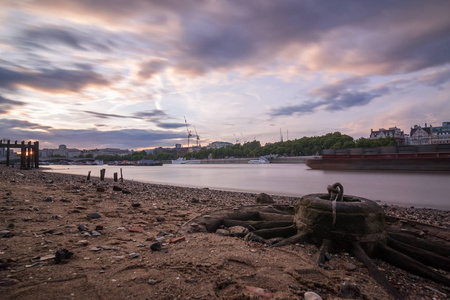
point(7, 153)
point(23, 158)
point(89, 176)
point(29, 152)
point(102, 174)
point(121, 175)
point(36, 155)
point(115, 177)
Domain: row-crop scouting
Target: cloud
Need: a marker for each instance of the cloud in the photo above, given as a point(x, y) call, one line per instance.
point(106, 116)
point(170, 125)
point(340, 95)
point(87, 138)
point(151, 68)
point(7, 105)
point(44, 37)
point(51, 80)
point(435, 78)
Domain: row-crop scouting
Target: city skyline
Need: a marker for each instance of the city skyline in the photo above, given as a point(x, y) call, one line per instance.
point(124, 75)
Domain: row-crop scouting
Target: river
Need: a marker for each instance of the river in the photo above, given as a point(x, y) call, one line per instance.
point(419, 189)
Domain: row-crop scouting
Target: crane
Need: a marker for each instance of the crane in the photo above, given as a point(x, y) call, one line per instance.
point(196, 134)
point(188, 132)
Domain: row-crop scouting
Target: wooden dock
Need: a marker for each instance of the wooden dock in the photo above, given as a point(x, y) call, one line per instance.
point(29, 153)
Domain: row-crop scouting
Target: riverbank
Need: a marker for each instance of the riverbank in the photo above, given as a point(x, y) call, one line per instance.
point(42, 213)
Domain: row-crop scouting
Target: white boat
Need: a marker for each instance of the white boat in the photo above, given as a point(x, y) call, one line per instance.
point(261, 160)
point(182, 161)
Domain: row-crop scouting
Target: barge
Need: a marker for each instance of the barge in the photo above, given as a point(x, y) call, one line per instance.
point(402, 158)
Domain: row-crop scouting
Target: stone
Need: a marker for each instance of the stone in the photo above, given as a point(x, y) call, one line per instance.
point(48, 199)
point(348, 266)
point(8, 281)
point(62, 254)
point(82, 243)
point(238, 231)
point(177, 240)
point(117, 188)
point(83, 227)
point(134, 255)
point(9, 200)
point(100, 189)
point(156, 246)
point(254, 238)
point(95, 233)
point(136, 204)
point(194, 200)
point(263, 198)
point(99, 227)
point(126, 192)
point(93, 216)
point(259, 291)
point(312, 296)
point(160, 219)
point(135, 229)
point(153, 281)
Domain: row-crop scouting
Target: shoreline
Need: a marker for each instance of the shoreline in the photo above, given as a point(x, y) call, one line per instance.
point(42, 212)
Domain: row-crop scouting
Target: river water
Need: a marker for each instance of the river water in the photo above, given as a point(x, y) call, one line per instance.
point(419, 189)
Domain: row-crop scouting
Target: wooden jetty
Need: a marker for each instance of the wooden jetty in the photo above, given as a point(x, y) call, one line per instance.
point(29, 153)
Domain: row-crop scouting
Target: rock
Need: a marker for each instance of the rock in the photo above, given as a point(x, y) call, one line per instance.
point(82, 243)
point(156, 246)
point(117, 188)
point(136, 204)
point(259, 291)
point(83, 227)
point(99, 227)
point(135, 229)
point(93, 216)
point(348, 266)
point(312, 296)
point(100, 189)
point(263, 198)
point(194, 200)
point(56, 217)
point(153, 281)
point(62, 254)
point(134, 255)
point(177, 240)
point(349, 290)
point(95, 249)
point(95, 233)
point(238, 231)
point(5, 233)
point(126, 192)
point(9, 200)
point(160, 219)
point(48, 199)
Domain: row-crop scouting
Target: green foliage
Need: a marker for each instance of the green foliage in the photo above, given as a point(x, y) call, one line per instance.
point(135, 156)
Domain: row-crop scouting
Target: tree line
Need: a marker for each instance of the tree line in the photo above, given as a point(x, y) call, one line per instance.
point(298, 147)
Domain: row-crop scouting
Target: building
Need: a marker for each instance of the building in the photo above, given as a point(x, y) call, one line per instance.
point(217, 145)
point(441, 134)
point(421, 135)
point(394, 132)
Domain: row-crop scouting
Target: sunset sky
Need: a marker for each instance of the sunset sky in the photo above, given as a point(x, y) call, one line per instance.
point(123, 74)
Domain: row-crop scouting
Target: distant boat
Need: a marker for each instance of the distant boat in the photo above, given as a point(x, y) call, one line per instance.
point(182, 161)
point(261, 160)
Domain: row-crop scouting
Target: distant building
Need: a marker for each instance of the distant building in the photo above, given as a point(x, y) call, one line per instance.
point(441, 134)
point(217, 145)
point(394, 132)
point(420, 135)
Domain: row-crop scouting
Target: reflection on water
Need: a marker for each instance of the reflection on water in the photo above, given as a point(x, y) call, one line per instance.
point(420, 189)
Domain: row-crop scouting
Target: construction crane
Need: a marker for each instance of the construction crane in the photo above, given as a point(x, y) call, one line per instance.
point(188, 132)
point(196, 134)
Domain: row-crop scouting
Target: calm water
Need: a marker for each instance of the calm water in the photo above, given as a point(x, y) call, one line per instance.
point(420, 189)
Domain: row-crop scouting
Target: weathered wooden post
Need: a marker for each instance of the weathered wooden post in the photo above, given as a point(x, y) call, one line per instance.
point(7, 153)
point(121, 175)
point(115, 177)
point(89, 176)
point(102, 174)
point(36, 154)
point(23, 158)
point(30, 153)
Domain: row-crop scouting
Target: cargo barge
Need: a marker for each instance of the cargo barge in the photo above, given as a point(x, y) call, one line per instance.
point(402, 158)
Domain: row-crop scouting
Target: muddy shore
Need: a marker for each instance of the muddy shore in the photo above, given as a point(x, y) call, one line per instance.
point(42, 213)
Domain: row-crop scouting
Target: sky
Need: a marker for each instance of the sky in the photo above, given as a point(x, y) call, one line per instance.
point(126, 74)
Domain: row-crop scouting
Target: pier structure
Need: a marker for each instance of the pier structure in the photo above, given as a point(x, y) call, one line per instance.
point(29, 153)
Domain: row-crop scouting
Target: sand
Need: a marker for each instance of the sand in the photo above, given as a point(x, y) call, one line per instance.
point(41, 213)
